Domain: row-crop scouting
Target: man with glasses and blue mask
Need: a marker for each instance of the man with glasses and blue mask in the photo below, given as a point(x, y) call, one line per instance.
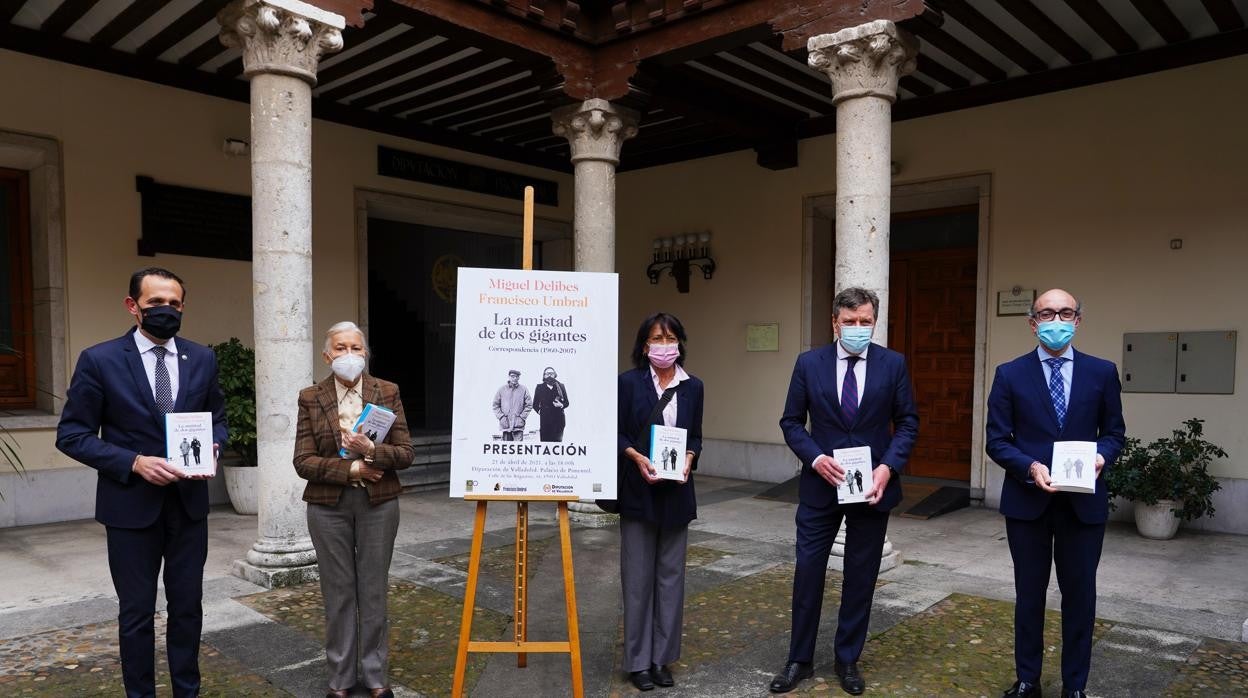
point(1053, 393)
point(854, 393)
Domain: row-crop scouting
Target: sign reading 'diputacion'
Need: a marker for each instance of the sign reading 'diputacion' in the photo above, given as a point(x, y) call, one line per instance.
point(535, 383)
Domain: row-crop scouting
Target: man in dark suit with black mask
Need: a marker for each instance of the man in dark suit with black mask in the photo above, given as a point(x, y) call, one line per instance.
point(114, 421)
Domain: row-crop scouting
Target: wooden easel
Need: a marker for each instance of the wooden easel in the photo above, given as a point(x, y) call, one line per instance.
point(520, 645)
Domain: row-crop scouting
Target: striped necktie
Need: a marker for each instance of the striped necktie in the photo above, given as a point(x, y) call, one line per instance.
point(1057, 389)
point(164, 387)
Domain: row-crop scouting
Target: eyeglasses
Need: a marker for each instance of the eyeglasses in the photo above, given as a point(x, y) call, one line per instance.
point(1048, 314)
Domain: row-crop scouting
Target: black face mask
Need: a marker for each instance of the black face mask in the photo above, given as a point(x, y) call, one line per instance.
point(162, 321)
point(550, 380)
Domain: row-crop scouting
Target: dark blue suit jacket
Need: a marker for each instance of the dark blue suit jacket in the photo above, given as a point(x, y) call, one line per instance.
point(1022, 426)
point(887, 420)
point(668, 504)
point(110, 417)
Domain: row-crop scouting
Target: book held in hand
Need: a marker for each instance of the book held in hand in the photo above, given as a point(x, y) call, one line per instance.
point(1073, 467)
point(188, 442)
point(374, 422)
point(859, 474)
point(667, 451)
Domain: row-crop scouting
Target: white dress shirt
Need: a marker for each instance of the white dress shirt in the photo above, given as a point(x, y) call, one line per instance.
point(669, 412)
point(172, 361)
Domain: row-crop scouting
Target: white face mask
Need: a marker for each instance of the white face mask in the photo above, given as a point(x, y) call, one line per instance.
point(348, 367)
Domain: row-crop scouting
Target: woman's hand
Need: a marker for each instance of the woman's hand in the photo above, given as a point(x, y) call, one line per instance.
point(644, 466)
point(688, 466)
point(368, 473)
point(358, 443)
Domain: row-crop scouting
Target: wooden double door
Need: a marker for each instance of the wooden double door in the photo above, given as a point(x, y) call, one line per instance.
point(932, 302)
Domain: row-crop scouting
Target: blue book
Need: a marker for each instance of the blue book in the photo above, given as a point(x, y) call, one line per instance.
point(374, 422)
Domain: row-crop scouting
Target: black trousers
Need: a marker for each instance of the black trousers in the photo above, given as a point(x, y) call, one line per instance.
point(134, 559)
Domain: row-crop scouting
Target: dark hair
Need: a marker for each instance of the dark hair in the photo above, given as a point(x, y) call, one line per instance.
point(136, 280)
point(853, 298)
point(666, 321)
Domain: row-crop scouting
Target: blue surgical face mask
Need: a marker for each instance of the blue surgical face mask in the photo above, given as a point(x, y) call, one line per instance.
point(856, 338)
point(1055, 334)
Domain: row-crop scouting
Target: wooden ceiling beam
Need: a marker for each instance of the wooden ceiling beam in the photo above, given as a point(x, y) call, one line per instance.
point(604, 70)
point(9, 10)
point(126, 21)
point(64, 16)
point(1048, 30)
point(437, 52)
point(915, 86)
point(1224, 14)
point(958, 51)
point(934, 69)
point(203, 53)
point(519, 132)
point(1160, 17)
point(785, 70)
point(432, 77)
point(767, 85)
point(524, 115)
point(369, 56)
point(494, 108)
point(191, 21)
point(352, 11)
point(996, 37)
point(1096, 16)
point(456, 90)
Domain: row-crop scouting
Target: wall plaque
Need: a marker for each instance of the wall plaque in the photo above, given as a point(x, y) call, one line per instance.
point(195, 222)
point(762, 337)
point(459, 175)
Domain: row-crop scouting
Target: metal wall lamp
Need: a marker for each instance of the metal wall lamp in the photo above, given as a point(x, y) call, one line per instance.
point(677, 254)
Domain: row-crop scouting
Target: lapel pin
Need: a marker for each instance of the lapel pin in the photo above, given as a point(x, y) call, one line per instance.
point(184, 357)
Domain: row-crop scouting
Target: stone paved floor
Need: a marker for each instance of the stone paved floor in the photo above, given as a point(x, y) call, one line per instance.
point(925, 641)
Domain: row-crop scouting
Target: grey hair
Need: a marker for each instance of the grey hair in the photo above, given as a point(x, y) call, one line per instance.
point(853, 297)
point(344, 326)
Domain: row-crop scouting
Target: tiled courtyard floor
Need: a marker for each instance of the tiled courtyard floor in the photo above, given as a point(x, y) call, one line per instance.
point(925, 641)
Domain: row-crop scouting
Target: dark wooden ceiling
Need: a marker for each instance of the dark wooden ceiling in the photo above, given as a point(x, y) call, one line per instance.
point(427, 70)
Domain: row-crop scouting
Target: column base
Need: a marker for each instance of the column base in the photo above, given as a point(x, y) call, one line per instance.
point(587, 513)
point(275, 577)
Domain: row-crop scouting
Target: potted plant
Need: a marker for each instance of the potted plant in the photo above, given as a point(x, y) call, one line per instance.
point(1168, 479)
point(236, 372)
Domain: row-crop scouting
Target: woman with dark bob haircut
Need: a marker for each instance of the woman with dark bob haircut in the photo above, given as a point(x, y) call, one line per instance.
point(655, 512)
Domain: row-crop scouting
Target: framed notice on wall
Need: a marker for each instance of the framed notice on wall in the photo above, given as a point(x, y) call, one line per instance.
point(535, 383)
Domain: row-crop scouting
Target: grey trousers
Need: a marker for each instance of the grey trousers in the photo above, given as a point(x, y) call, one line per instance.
point(652, 576)
point(354, 542)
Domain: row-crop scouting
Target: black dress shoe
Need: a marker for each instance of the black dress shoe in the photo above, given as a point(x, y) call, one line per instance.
point(851, 680)
point(1023, 689)
point(642, 680)
point(1074, 694)
point(792, 674)
point(662, 676)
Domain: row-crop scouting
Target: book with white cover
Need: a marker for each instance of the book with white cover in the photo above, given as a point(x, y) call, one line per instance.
point(1073, 468)
point(374, 422)
point(188, 442)
point(667, 451)
point(859, 474)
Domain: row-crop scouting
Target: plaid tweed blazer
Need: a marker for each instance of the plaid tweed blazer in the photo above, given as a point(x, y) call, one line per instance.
point(318, 439)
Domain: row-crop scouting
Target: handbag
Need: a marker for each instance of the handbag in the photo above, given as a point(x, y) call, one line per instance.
point(612, 506)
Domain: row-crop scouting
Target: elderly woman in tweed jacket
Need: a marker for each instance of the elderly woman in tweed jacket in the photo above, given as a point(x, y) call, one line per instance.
point(353, 511)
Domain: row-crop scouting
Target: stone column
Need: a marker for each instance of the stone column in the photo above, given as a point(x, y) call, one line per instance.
point(596, 130)
point(282, 41)
point(864, 64)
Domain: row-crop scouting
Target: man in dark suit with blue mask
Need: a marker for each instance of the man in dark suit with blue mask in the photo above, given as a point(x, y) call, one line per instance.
point(854, 393)
point(114, 421)
point(1053, 393)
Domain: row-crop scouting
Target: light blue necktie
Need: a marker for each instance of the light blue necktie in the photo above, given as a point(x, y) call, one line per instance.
point(1057, 389)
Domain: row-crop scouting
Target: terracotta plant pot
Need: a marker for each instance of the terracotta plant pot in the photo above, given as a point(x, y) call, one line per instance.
point(1157, 521)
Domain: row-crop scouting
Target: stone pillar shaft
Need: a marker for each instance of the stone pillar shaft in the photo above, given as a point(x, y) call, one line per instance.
point(864, 64)
point(596, 130)
point(282, 41)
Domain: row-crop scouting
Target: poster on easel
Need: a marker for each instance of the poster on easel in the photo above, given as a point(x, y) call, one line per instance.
point(535, 383)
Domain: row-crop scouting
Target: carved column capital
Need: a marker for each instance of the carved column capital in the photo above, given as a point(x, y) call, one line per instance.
point(864, 61)
point(286, 37)
point(596, 129)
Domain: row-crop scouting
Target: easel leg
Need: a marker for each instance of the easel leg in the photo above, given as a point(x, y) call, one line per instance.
point(470, 598)
point(569, 595)
point(522, 580)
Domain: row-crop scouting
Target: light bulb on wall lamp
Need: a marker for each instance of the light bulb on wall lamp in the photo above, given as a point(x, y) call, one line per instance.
point(704, 237)
point(678, 255)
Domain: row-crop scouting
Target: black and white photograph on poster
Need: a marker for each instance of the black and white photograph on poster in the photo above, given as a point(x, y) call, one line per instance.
point(526, 342)
point(858, 473)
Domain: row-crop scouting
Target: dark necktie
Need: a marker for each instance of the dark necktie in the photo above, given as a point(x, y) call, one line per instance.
point(1057, 389)
point(849, 391)
point(164, 387)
